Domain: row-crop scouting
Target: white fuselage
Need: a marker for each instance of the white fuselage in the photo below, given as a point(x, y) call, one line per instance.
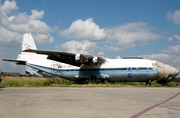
point(111, 70)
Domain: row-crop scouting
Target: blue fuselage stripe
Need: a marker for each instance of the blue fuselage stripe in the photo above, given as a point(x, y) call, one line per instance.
point(100, 71)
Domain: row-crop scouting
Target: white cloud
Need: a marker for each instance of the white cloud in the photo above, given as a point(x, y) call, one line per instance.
point(83, 47)
point(84, 29)
point(22, 23)
point(9, 67)
point(126, 35)
point(13, 26)
point(175, 38)
point(131, 34)
point(9, 39)
point(112, 48)
point(175, 17)
point(118, 57)
point(101, 54)
point(36, 14)
point(87, 47)
point(43, 38)
point(170, 59)
point(170, 56)
point(175, 50)
point(8, 6)
point(159, 57)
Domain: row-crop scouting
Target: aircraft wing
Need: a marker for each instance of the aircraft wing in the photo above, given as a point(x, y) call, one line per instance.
point(70, 58)
point(21, 62)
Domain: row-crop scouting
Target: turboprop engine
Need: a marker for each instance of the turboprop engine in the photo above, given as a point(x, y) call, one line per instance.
point(88, 59)
point(95, 60)
point(77, 57)
point(84, 59)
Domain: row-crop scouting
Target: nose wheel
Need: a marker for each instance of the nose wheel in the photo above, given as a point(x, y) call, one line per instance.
point(148, 83)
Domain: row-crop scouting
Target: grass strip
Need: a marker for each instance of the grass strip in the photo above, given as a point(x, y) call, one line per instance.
point(58, 82)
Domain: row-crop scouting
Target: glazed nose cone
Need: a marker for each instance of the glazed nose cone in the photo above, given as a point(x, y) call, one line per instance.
point(176, 72)
point(166, 72)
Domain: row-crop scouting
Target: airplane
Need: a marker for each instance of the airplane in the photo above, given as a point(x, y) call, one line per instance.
point(80, 67)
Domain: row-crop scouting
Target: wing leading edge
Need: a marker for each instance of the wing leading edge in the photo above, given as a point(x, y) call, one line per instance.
point(70, 58)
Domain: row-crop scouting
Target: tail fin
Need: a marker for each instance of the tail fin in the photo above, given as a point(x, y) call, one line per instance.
point(28, 42)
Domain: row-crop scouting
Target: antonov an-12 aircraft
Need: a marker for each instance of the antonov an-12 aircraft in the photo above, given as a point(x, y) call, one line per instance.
point(77, 67)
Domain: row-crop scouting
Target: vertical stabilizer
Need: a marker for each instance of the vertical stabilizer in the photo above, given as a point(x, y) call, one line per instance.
point(28, 42)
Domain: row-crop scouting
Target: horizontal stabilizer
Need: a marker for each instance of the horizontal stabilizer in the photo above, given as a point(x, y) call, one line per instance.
point(18, 61)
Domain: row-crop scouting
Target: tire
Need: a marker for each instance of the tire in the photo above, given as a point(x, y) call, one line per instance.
point(148, 83)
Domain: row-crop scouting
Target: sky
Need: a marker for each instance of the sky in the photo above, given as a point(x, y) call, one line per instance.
point(107, 28)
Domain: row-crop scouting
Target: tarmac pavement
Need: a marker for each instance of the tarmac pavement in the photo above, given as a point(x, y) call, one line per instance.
point(80, 102)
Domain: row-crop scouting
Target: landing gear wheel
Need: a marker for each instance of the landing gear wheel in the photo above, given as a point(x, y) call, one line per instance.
point(148, 83)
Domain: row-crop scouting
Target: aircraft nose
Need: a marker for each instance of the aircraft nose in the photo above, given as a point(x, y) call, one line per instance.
point(176, 72)
point(171, 72)
point(166, 73)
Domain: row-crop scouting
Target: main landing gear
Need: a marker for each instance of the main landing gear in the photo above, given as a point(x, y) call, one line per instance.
point(148, 83)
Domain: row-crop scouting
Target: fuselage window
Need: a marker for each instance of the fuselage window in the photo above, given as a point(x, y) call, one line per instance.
point(134, 68)
point(142, 69)
point(121, 69)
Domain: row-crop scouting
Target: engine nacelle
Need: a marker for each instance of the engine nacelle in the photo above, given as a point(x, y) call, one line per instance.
point(82, 76)
point(95, 60)
point(102, 76)
point(77, 57)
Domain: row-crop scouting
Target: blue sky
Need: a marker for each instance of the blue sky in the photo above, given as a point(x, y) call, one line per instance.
point(108, 28)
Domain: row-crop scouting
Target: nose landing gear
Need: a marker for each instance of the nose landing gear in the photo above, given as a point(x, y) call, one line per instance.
point(148, 83)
